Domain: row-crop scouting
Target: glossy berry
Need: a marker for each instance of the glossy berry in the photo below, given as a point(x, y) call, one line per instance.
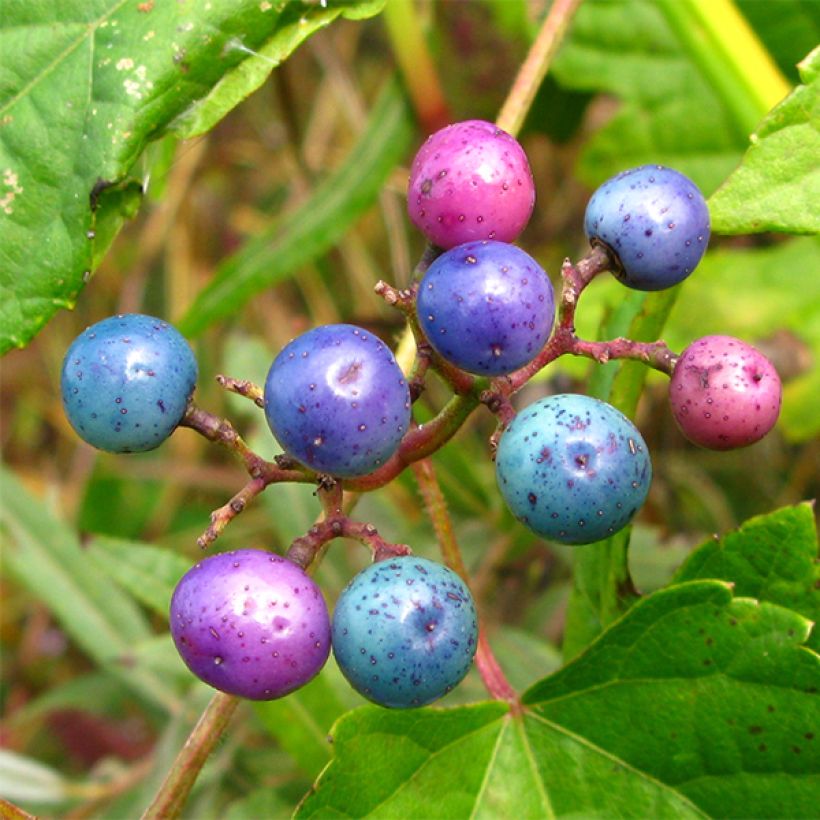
point(487, 307)
point(126, 382)
point(405, 631)
point(337, 401)
point(470, 181)
point(250, 623)
point(656, 223)
point(724, 393)
point(573, 468)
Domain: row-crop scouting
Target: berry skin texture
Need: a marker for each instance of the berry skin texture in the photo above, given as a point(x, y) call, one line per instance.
point(724, 393)
point(487, 307)
point(656, 223)
point(251, 624)
point(573, 468)
point(337, 401)
point(126, 382)
point(405, 632)
point(470, 181)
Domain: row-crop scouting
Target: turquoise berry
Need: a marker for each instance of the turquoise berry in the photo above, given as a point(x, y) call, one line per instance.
point(126, 382)
point(405, 631)
point(573, 468)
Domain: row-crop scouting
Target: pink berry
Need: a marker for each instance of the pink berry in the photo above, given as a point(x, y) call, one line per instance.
point(724, 393)
point(470, 181)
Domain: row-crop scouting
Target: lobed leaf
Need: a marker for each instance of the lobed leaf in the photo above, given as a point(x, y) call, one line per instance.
point(693, 703)
point(770, 557)
point(777, 186)
point(84, 87)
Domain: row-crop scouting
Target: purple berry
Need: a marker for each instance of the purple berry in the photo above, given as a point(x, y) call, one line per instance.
point(487, 307)
point(126, 382)
point(405, 631)
point(337, 401)
point(250, 623)
point(655, 222)
point(724, 393)
point(573, 468)
point(470, 181)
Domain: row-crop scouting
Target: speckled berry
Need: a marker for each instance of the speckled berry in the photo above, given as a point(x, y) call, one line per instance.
point(470, 181)
point(405, 631)
point(573, 468)
point(656, 223)
point(487, 307)
point(336, 400)
point(250, 623)
point(126, 382)
point(724, 393)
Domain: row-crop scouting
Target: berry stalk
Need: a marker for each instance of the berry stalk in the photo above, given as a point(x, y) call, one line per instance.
point(435, 504)
point(173, 793)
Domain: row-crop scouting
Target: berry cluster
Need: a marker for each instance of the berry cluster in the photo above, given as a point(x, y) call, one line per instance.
point(571, 468)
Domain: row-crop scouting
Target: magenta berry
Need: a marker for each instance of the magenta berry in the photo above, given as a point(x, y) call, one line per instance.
point(250, 623)
point(470, 181)
point(724, 393)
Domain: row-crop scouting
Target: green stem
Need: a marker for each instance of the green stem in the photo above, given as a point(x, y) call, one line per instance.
point(173, 793)
point(729, 55)
point(533, 70)
point(416, 64)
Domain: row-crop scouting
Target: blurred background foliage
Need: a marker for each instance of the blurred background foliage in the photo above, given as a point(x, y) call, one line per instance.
point(95, 700)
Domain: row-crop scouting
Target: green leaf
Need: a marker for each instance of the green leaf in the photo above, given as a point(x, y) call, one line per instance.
point(27, 780)
point(43, 554)
point(693, 703)
point(148, 573)
point(771, 557)
point(777, 186)
point(83, 88)
point(315, 227)
point(711, 695)
point(668, 114)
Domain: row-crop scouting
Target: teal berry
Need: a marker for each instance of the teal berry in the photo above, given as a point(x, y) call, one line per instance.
point(126, 382)
point(573, 468)
point(654, 221)
point(405, 631)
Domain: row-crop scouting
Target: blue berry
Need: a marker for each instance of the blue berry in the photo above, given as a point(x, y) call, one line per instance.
point(573, 468)
point(405, 631)
point(655, 222)
point(126, 382)
point(336, 400)
point(487, 307)
point(250, 623)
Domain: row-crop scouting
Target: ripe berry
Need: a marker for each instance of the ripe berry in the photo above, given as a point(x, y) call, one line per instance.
point(487, 307)
point(405, 631)
point(126, 382)
point(655, 222)
point(337, 401)
point(250, 623)
point(724, 393)
point(470, 181)
point(573, 468)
